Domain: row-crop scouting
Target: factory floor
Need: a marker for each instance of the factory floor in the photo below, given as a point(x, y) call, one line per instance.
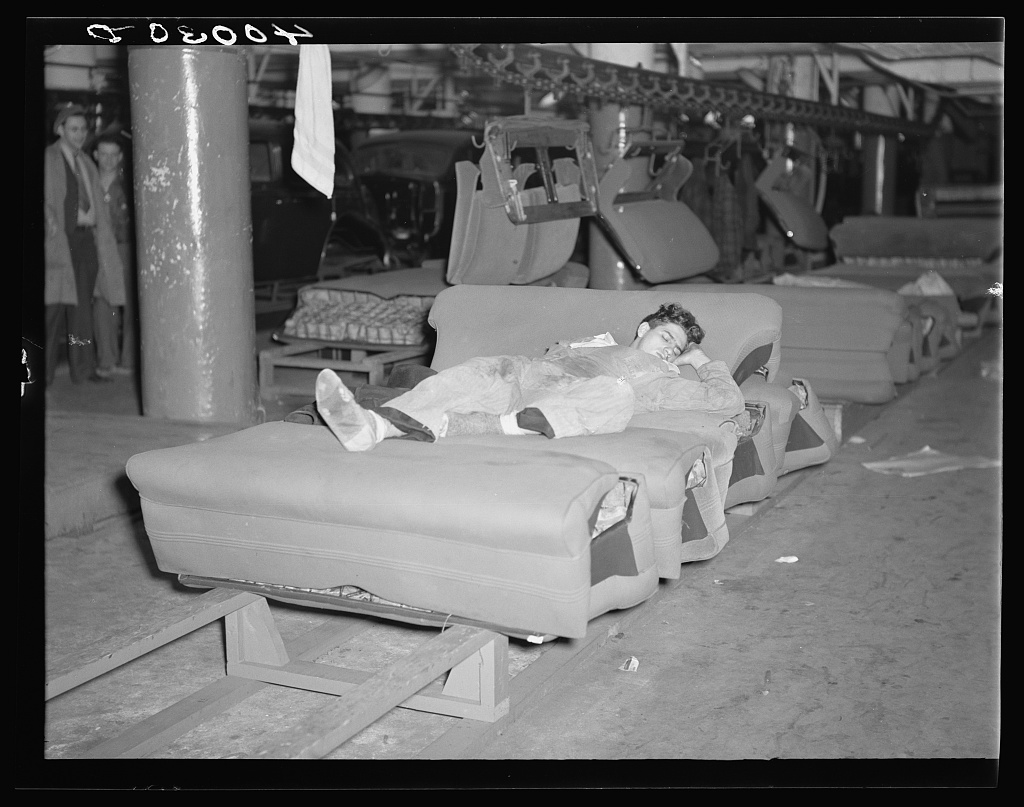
point(880, 642)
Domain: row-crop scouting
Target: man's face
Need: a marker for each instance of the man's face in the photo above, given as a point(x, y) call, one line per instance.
point(109, 156)
point(74, 131)
point(665, 340)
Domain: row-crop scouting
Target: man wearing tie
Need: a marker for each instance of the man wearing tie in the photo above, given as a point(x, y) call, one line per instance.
point(80, 250)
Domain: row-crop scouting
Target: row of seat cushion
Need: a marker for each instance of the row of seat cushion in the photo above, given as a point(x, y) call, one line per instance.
point(500, 536)
point(790, 431)
point(494, 529)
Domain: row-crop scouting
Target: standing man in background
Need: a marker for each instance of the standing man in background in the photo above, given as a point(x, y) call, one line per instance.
point(116, 335)
point(80, 251)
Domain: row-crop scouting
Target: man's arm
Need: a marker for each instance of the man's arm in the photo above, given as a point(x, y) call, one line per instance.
point(715, 393)
point(52, 196)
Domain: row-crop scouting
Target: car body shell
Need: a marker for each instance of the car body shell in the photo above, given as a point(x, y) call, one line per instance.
point(296, 230)
point(411, 177)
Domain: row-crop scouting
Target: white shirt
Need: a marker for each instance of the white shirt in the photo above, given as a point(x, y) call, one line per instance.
point(601, 340)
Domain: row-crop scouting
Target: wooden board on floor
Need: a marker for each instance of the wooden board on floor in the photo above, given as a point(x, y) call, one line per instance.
point(357, 709)
point(309, 357)
point(167, 725)
point(475, 659)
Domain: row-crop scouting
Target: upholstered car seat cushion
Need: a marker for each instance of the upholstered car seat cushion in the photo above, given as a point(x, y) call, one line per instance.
point(812, 437)
point(665, 237)
point(503, 537)
point(524, 320)
point(487, 248)
point(664, 459)
point(797, 218)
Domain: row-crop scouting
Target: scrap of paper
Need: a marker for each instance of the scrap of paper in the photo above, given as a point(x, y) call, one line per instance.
point(631, 664)
point(787, 559)
point(928, 461)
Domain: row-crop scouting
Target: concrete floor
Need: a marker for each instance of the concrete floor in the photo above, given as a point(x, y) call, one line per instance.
point(882, 642)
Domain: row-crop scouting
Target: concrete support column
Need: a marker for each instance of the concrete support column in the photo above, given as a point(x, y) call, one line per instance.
point(607, 125)
point(806, 85)
point(194, 233)
point(878, 196)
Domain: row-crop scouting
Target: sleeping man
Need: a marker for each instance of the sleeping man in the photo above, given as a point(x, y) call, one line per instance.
point(593, 386)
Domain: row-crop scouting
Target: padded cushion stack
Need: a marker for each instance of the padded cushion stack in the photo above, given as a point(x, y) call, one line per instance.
point(838, 339)
point(889, 252)
point(956, 240)
point(388, 308)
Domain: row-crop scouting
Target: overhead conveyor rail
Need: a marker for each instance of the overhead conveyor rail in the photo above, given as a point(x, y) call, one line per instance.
point(547, 71)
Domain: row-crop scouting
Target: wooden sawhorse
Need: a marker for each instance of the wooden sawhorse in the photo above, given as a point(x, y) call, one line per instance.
point(475, 658)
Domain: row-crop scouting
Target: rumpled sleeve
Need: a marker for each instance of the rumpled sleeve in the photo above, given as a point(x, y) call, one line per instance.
point(715, 393)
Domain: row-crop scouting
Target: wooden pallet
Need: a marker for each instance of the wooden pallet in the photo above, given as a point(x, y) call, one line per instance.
point(312, 356)
point(476, 687)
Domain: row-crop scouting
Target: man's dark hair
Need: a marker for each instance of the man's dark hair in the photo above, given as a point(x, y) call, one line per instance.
point(677, 315)
point(109, 137)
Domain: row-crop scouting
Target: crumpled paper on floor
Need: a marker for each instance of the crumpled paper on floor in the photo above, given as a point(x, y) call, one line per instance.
point(928, 461)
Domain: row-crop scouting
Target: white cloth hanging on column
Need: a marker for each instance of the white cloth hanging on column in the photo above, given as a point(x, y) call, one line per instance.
point(313, 153)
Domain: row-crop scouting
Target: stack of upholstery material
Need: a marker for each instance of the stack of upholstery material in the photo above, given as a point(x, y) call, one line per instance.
point(389, 308)
point(839, 339)
point(898, 252)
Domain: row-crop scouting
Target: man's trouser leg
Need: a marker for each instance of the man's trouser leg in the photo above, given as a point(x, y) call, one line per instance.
point(58, 320)
point(490, 384)
point(503, 385)
point(106, 326)
point(601, 405)
point(81, 350)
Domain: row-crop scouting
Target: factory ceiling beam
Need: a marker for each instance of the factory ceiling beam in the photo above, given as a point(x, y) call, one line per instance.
point(548, 71)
